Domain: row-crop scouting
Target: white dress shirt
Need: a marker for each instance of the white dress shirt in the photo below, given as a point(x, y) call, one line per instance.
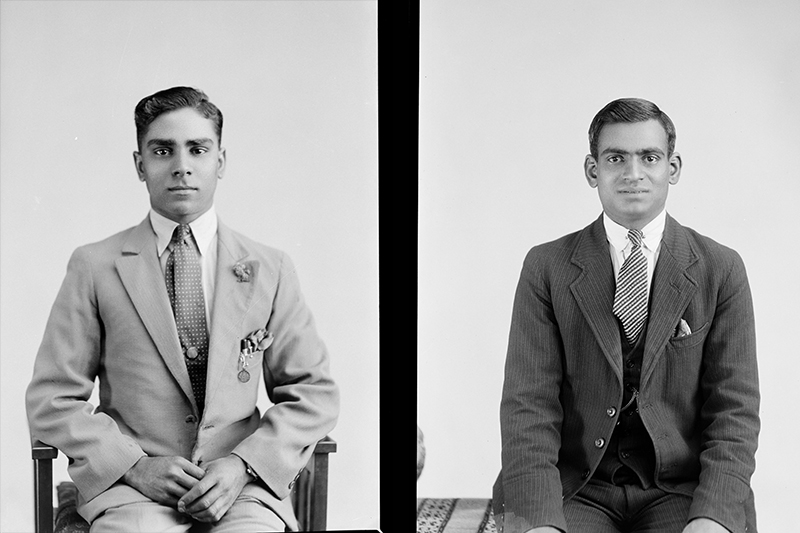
point(204, 231)
point(620, 246)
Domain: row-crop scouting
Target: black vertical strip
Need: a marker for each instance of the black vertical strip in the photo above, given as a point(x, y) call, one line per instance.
point(398, 103)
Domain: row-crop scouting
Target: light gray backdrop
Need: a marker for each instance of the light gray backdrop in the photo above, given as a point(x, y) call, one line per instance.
point(507, 92)
point(296, 82)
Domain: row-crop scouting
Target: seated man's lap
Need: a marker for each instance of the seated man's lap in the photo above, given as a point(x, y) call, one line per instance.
point(601, 507)
point(246, 514)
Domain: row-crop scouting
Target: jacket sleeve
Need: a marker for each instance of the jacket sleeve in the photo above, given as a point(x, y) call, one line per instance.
point(729, 413)
point(530, 410)
point(299, 384)
point(57, 398)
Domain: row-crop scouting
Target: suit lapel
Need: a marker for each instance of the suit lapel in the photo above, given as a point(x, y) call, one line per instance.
point(232, 300)
point(594, 291)
point(141, 275)
point(672, 290)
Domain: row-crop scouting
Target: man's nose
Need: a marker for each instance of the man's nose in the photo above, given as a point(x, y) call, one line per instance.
point(182, 165)
point(633, 170)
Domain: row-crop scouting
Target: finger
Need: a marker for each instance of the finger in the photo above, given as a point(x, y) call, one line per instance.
point(185, 482)
point(201, 505)
point(190, 468)
point(190, 498)
point(217, 508)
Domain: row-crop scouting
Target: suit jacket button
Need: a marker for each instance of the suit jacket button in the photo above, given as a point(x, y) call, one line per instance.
point(599, 443)
point(291, 485)
point(191, 419)
point(585, 474)
point(611, 411)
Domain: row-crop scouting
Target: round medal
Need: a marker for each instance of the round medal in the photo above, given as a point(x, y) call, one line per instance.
point(244, 376)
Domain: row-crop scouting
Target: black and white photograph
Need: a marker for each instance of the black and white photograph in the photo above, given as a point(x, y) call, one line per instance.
point(559, 388)
point(189, 266)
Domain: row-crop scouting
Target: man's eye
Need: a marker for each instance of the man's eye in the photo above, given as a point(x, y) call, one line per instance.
point(651, 158)
point(614, 159)
point(199, 150)
point(161, 151)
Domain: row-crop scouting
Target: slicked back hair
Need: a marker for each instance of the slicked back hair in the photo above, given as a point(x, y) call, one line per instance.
point(630, 110)
point(151, 107)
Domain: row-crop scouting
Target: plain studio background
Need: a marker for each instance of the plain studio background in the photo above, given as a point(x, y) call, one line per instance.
point(296, 83)
point(507, 92)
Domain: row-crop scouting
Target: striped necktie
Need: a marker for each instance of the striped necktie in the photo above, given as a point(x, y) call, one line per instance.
point(185, 289)
point(630, 301)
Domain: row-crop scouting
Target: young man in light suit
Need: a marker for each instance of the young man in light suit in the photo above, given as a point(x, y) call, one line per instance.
point(622, 421)
point(177, 442)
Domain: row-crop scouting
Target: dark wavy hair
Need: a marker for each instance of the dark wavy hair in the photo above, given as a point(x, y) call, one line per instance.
point(630, 110)
point(150, 107)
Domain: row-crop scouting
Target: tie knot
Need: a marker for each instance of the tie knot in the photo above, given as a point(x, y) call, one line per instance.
point(181, 233)
point(635, 236)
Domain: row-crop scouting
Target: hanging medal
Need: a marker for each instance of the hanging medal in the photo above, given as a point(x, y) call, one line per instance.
point(257, 341)
point(244, 361)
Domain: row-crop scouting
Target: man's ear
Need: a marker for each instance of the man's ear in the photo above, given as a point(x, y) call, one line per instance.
point(590, 169)
point(137, 161)
point(221, 158)
point(675, 164)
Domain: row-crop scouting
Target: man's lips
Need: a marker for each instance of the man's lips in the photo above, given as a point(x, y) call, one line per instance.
point(181, 188)
point(632, 191)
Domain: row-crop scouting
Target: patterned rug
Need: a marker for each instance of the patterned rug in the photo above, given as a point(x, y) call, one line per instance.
point(458, 515)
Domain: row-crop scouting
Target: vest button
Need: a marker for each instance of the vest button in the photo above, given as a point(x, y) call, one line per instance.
point(585, 474)
point(191, 353)
point(611, 411)
point(599, 443)
point(191, 419)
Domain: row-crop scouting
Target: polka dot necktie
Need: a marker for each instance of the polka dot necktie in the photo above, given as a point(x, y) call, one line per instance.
point(630, 301)
point(185, 289)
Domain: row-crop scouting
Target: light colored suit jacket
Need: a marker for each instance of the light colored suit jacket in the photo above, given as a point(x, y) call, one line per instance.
point(112, 320)
point(562, 393)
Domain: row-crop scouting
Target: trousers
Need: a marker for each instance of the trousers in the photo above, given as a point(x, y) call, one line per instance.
point(246, 514)
point(601, 507)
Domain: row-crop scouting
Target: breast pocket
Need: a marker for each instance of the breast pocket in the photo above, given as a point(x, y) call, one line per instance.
point(692, 340)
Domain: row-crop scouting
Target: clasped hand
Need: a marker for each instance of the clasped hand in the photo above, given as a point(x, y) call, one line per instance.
point(205, 494)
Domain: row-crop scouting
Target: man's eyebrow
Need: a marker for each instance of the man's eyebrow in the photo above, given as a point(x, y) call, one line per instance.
point(643, 151)
point(197, 142)
point(161, 142)
point(171, 142)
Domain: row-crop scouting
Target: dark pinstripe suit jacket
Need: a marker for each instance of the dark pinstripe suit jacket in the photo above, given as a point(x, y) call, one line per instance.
point(563, 378)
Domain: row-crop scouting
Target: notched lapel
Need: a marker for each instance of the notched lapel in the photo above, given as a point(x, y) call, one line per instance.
point(141, 275)
point(232, 300)
point(594, 291)
point(673, 289)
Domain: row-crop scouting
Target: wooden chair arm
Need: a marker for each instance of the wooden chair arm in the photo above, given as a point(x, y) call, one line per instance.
point(43, 455)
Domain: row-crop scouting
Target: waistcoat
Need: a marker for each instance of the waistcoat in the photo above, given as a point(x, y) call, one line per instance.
point(629, 457)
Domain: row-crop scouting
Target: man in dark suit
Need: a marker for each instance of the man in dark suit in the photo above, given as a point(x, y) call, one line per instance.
point(179, 317)
point(630, 400)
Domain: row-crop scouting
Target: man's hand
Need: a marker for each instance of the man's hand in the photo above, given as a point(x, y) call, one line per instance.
point(704, 525)
point(210, 499)
point(163, 479)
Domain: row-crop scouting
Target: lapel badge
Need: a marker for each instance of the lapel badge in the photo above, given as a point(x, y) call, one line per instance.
point(242, 272)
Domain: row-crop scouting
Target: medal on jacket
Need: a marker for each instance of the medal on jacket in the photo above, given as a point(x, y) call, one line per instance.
point(244, 361)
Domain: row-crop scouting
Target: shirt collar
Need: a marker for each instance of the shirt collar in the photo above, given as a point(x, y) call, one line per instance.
point(204, 228)
point(618, 235)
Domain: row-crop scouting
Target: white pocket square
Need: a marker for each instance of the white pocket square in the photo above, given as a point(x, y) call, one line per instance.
point(682, 329)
